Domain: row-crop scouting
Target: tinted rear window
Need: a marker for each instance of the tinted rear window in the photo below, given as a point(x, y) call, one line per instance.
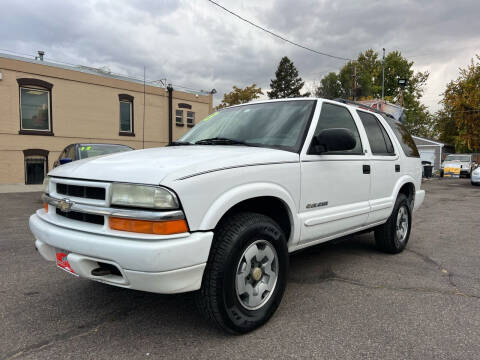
point(404, 137)
point(380, 143)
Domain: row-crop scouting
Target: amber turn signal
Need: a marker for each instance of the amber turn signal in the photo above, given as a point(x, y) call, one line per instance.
point(45, 206)
point(149, 227)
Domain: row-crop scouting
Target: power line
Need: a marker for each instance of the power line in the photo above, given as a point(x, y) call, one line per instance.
point(279, 36)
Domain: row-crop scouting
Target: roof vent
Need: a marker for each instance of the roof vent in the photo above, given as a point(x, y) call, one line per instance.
point(40, 55)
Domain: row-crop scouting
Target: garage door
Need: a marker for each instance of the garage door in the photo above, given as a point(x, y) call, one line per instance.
point(427, 155)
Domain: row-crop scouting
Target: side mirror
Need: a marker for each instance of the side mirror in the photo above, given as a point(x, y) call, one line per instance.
point(335, 139)
point(65, 160)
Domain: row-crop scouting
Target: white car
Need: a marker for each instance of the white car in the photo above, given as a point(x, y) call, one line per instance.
point(476, 176)
point(457, 165)
point(219, 212)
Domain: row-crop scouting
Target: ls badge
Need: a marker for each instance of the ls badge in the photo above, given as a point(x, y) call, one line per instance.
point(315, 205)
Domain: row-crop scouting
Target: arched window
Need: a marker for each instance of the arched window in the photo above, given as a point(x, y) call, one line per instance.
point(35, 107)
point(36, 165)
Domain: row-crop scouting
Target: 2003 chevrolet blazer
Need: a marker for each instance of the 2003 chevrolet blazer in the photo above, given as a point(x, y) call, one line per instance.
point(219, 212)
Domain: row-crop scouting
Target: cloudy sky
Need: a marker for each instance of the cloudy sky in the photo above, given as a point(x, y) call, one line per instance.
point(196, 44)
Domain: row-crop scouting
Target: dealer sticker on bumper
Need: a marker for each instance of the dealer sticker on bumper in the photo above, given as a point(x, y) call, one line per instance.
point(63, 263)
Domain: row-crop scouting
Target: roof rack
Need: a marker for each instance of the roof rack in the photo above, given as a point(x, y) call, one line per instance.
point(366, 107)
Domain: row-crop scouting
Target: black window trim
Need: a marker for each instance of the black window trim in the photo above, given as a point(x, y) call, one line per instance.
point(382, 130)
point(361, 153)
point(127, 99)
point(37, 85)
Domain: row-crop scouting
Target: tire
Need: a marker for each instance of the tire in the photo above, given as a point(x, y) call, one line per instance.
point(223, 297)
point(388, 237)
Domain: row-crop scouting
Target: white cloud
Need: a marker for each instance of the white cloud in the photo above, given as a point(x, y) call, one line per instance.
point(196, 44)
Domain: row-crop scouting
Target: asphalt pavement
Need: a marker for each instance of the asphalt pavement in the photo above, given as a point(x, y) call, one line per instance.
point(343, 299)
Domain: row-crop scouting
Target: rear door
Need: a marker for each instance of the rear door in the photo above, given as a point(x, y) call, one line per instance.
point(385, 166)
point(335, 186)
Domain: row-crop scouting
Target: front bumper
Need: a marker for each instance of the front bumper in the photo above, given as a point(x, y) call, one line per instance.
point(166, 265)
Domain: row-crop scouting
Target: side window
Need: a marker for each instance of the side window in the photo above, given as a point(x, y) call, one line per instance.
point(404, 138)
point(179, 117)
point(190, 118)
point(334, 117)
point(126, 115)
point(388, 141)
point(71, 152)
point(380, 143)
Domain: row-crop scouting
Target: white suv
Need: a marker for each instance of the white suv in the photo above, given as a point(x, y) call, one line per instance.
point(219, 212)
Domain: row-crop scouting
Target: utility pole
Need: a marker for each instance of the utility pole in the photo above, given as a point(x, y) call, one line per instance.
point(354, 81)
point(383, 74)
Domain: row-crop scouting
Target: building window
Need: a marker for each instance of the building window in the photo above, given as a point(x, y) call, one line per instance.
point(179, 117)
point(36, 165)
point(126, 115)
point(35, 107)
point(190, 118)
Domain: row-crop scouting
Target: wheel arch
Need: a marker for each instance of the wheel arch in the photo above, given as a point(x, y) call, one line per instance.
point(406, 186)
point(265, 198)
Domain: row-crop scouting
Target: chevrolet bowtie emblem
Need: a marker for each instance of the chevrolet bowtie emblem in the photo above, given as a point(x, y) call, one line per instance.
point(65, 205)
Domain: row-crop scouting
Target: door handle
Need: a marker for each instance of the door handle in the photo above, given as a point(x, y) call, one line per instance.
point(397, 168)
point(366, 169)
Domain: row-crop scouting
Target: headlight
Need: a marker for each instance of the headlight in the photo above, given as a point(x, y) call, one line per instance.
point(144, 196)
point(476, 172)
point(46, 183)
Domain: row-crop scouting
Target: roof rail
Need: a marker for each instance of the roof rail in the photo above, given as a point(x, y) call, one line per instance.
point(366, 107)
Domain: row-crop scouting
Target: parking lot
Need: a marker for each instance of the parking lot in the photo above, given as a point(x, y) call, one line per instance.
point(343, 300)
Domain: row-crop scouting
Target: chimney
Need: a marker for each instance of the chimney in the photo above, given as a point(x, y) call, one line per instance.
point(40, 55)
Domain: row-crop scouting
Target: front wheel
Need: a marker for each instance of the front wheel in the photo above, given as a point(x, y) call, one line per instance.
point(246, 273)
point(392, 237)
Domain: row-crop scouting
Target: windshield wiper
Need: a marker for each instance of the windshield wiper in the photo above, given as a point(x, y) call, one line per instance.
point(179, 143)
point(220, 141)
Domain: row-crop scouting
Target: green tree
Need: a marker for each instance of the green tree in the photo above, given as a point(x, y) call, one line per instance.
point(363, 78)
point(287, 83)
point(240, 96)
point(459, 119)
point(330, 87)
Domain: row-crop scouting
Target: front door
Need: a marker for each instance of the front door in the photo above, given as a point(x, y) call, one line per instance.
point(335, 186)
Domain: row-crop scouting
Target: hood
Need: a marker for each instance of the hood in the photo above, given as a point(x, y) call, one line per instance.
point(456, 163)
point(151, 166)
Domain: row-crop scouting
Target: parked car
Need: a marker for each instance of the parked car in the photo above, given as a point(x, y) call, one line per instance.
point(457, 165)
point(220, 212)
point(75, 152)
point(475, 179)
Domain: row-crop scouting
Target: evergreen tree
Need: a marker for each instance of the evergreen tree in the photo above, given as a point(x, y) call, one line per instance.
point(287, 83)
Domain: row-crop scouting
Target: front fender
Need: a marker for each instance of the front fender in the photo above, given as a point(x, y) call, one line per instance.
point(248, 191)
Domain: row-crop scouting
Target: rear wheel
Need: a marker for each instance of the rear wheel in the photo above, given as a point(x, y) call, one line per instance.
point(246, 273)
point(392, 237)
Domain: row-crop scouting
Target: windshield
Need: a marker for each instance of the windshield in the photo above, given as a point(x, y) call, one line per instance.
point(89, 150)
point(458, 158)
point(279, 124)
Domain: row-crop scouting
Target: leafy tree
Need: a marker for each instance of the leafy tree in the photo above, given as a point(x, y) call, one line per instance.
point(460, 118)
point(240, 96)
point(367, 70)
point(330, 87)
point(287, 83)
